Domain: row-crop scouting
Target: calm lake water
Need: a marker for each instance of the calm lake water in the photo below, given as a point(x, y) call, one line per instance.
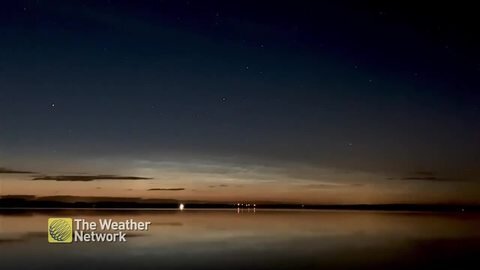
point(251, 240)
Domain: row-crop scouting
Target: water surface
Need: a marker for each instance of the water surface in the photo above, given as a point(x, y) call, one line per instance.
point(251, 240)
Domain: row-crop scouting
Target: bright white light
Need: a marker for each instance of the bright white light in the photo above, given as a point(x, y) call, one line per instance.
point(181, 206)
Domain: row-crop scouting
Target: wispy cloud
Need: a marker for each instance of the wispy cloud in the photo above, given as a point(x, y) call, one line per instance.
point(165, 189)
point(86, 178)
point(218, 186)
point(13, 171)
point(424, 176)
point(333, 185)
point(425, 173)
point(427, 178)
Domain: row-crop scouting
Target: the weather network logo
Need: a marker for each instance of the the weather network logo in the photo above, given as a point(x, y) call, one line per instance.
point(60, 230)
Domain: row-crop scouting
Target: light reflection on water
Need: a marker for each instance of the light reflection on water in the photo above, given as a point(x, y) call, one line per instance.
point(247, 240)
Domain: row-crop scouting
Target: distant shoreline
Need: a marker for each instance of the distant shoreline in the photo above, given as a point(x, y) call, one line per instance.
point(30, 203)
point(110, 206)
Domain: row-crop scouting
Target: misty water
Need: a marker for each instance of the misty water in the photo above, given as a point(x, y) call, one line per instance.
point(196, 239)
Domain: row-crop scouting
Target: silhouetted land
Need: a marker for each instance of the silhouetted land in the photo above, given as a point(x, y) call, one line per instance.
point(33, 202)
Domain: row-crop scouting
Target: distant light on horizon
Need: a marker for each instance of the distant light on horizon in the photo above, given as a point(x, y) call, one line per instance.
point(181, 207)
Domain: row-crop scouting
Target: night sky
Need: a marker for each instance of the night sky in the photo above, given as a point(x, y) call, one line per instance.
point(301, 101)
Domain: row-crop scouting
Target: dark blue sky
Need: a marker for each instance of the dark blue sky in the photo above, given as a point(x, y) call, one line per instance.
point(388, 88)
